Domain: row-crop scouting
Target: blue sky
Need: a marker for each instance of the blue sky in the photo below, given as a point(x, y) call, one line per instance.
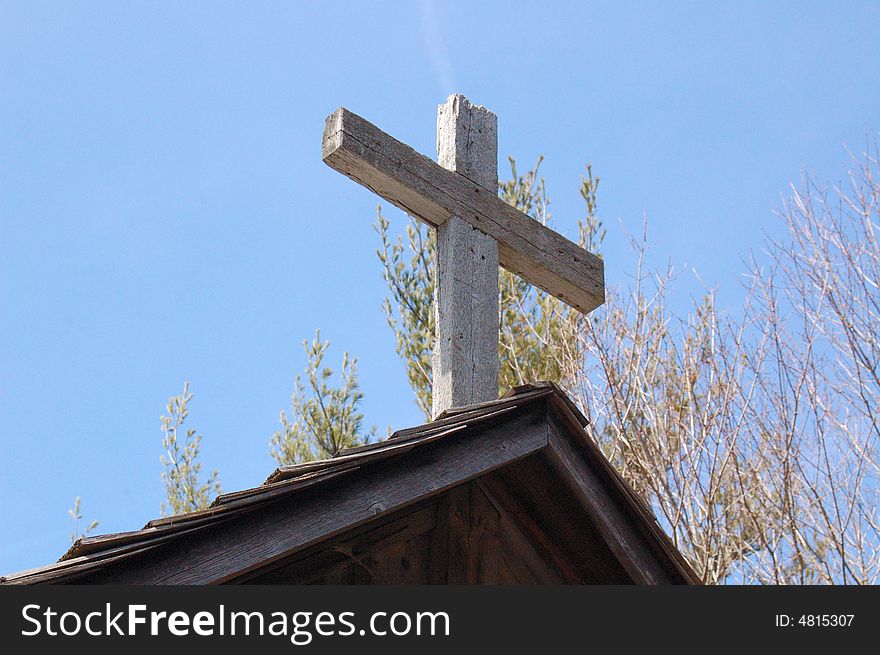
point(165, 215)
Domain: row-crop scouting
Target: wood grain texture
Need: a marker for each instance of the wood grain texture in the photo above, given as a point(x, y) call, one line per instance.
point(535, 493)
point(616, 525)
point(329, 558)
point(547, 551)
point(523, 497)
point(459, 563)
point(465, 359)
point(467, 141)
point(282, 528)
point(639, 517)
point(477, 542)
point(429, 192)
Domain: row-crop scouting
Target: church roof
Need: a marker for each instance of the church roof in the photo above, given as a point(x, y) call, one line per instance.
point(302, 505)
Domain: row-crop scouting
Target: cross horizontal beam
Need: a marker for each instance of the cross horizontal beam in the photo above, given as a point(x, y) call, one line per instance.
point(427, 191)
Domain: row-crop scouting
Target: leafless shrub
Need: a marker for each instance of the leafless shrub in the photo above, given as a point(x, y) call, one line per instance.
point(754, 437)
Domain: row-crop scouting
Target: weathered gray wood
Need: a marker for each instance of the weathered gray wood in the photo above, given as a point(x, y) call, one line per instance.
point(433, 194)
point(257, 539)
point(465, 360)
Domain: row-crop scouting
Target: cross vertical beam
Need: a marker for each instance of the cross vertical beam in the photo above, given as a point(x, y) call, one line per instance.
point(465, 359)
point(476, 231)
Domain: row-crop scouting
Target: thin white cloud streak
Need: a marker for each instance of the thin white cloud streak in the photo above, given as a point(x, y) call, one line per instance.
point(436, 47)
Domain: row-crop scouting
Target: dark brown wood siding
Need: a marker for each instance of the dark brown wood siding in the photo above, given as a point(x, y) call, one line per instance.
point(509, 527)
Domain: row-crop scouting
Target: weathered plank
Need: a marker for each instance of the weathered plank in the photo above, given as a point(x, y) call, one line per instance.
point(519, 559)
point(459, 565)
point(404, 562)
point(546, 550)
point(327, 558)
point(467, 140)
point(465, 361)
point(485, 532)
point(429, 192)
point(284, 527)
point(535, 487)
point(614, 522)
point(638, 514)
point(438, 547)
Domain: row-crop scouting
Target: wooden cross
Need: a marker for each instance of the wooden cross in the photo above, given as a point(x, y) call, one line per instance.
point(476, 231)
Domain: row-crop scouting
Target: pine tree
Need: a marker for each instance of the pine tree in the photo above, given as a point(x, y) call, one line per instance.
point(184, 490)
point(325, 418)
